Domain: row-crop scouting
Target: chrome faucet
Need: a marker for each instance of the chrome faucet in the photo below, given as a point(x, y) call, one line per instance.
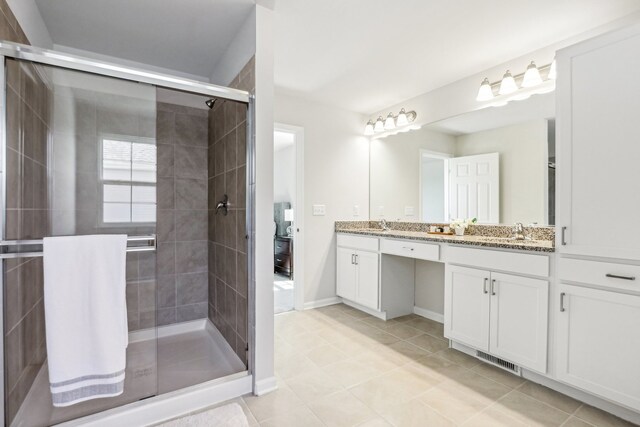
point(518, 232)
point(383, 225)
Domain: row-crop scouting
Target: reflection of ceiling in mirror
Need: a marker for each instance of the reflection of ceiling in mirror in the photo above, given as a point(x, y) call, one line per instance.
point(536, 107)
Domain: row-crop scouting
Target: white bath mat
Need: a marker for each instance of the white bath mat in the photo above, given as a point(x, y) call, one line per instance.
point(230, 415)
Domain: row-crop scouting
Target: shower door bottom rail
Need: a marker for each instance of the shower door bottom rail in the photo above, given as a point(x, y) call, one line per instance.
point(33, 248)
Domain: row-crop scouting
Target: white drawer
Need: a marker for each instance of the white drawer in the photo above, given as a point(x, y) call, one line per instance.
point(595, 273)
point(358, 242)
point(409, 249)
point(528, 264)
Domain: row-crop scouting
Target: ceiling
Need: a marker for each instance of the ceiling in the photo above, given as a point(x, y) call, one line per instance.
point(187, 35)
point(365, 55)
point(360, 55)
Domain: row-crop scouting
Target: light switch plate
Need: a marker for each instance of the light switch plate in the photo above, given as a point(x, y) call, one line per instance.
point(408, 211)
point(319, 210)
point(356, 210)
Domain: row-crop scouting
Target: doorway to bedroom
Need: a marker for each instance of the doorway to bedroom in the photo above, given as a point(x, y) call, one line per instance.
point(287, 218)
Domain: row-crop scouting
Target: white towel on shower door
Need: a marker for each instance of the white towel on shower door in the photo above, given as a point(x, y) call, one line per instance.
point(85, 316)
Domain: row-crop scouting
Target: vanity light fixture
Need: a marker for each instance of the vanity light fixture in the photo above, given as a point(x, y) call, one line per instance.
point(485, 93)
point(368, 129)
point(531, 76)
point(508, 84)
point(392, 124)
point(534, 80)
point(379, 127)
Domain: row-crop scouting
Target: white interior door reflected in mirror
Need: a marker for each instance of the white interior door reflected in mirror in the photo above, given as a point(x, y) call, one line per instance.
point(474, 187)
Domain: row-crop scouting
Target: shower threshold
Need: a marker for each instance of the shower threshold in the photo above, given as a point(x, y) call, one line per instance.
point(184, 355)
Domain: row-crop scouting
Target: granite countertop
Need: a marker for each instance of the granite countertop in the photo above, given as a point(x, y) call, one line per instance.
point(469, 240)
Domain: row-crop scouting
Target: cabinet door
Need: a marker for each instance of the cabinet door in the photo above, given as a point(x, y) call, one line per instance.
point(598, 144)
point(368, 279)
point(466, 306)
point(519, 313)
point(598, 344)
point(346, 274)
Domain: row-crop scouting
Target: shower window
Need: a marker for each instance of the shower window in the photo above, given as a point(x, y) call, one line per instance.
point(128, 168)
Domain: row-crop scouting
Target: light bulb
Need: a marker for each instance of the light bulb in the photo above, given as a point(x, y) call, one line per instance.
point(368, 129)
point(379, 127)
point(552, 71)
point(402, 119)
point(485, 92)
point(389, 123)
point(531, 76)
point(508, 84)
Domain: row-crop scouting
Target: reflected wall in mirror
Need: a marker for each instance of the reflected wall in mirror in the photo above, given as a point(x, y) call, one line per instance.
point(495, 164)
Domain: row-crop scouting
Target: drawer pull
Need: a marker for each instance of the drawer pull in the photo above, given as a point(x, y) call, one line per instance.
point(278, 259)
point(407, 247)
point(484, 287)
point(562, 294)
point(615, 276)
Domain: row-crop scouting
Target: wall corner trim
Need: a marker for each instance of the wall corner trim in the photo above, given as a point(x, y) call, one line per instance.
point(428, 314)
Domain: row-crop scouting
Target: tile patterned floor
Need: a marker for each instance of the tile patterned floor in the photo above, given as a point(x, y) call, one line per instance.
point(337, 366)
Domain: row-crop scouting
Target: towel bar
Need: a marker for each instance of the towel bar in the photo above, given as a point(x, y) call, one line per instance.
point(31, 250)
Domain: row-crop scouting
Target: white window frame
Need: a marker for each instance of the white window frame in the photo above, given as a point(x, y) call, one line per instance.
point(131, 183)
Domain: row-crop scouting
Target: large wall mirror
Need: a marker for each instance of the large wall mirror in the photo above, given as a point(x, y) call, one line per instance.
point(496, 164)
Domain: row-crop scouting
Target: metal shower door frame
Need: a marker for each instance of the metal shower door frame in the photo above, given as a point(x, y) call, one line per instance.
point(78, 63)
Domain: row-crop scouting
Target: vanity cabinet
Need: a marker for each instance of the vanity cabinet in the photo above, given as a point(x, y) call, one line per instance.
point(358, 270)
point(502, 314)
point(598, 150)
point(598, 344)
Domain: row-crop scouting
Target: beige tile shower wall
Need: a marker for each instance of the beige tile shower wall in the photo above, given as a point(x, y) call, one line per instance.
point(228, 269)
point(28, 101)
point(182, 137)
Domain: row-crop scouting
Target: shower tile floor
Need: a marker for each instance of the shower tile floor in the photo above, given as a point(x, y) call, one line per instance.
point(179, 360)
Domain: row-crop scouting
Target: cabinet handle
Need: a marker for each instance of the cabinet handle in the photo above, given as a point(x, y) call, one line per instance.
point(615, 276)
point(562, 294)
point(278, 259)
point(353, 259)
point(493, 284)
point(407, 247)
point(563, 236)
point(484, 286)
point(356, 259)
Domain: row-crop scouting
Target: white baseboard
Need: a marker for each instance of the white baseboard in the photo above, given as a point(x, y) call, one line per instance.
point(382, 315)
point(428, 314)
point(322, 303)
point(265, 386)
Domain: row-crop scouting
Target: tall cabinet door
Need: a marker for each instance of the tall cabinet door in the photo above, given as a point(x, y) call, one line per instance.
point(368, 284)
point(598, 344)
point(519, 312)
point(346, 274)
point(598, 99)
point(466, 306)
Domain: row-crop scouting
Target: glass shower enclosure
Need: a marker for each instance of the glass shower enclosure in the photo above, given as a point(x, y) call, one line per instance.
point(92, 148)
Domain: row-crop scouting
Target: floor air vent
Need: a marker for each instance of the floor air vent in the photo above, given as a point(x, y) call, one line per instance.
point(503, 364)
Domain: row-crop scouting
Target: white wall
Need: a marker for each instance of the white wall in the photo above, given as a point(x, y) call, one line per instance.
point(336, 174)
point(238, 53)
point(264, 374)
point(523, 167)
point(429, 290)
point(395, 171)
point(284, 176)
point(433, 190)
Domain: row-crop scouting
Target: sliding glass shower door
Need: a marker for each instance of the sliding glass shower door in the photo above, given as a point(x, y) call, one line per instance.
point(79, 158)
